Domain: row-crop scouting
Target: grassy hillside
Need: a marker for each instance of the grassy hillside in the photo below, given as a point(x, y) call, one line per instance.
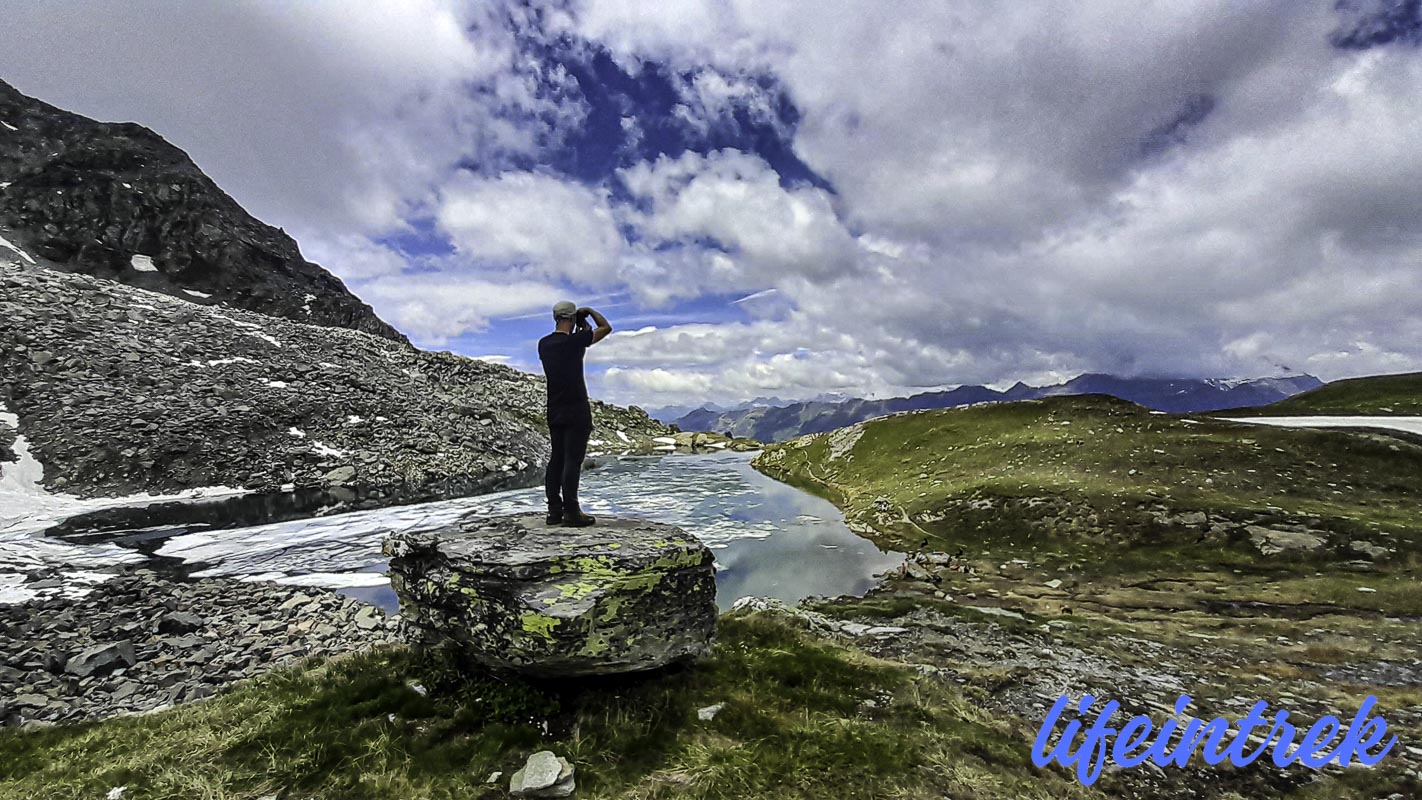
point(1380, 394)
point(1152, 545)
point(1104, 489)
point(931, 473)
point(802, 718)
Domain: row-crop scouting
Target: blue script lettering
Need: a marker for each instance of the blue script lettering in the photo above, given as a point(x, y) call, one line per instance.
point(1131, 744)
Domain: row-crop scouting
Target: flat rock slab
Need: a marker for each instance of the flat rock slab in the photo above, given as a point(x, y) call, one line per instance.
point(1272, 542)
point(515, 593)
point(545, 775)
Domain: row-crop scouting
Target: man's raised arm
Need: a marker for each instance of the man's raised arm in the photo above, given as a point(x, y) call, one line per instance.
point(603, 326)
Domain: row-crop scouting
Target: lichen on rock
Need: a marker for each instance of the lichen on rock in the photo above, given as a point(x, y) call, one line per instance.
point(514, 593)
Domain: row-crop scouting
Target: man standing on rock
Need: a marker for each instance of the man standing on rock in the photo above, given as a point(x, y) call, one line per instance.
point(569, 413)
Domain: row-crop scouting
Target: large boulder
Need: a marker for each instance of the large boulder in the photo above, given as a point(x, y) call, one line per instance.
point(514, 593)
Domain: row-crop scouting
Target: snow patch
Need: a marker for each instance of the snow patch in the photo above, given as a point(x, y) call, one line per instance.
point(329, 452)
point(28, 508)
point(624, 437)
point(1403, 424)
point(296, 432)
point(12, 589)
point(143, 263)
point(306, 303)
point(21, 253)
point(320, 580)
point(195, 293)
point(222, 362)
point(8, 125)
point(354, 419)
point(20, 480)
point(264, 337)
point(251, 329)
point(274, 384)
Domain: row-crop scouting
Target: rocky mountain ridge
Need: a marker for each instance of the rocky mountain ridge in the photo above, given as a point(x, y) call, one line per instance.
point(117, 201)
point(120, 390)
point(1174, 395)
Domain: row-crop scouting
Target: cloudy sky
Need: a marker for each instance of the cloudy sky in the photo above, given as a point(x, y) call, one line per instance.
point(792, 198)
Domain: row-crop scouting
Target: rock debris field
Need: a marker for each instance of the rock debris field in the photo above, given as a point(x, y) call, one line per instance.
point(140, 643)
point(120, 390)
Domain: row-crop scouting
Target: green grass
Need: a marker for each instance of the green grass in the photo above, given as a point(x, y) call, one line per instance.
point(1055, 508)
point(1382, 394)
point(795, 725)
point(1110, 456)
point(1072, 482)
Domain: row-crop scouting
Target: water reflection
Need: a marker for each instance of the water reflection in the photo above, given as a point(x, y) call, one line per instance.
point(769, 539)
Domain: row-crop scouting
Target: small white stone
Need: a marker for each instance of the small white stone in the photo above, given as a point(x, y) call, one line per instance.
point(709, 713)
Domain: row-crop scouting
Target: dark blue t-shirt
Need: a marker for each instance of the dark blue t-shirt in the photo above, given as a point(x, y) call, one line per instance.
point(562, 357)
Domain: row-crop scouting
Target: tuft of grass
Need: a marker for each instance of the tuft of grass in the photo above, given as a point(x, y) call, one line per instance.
point(795, 724)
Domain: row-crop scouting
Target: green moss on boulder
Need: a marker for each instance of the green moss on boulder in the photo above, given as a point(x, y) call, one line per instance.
point(513, 593)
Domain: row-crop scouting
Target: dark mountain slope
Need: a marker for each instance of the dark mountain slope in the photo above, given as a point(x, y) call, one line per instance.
point(116, 201)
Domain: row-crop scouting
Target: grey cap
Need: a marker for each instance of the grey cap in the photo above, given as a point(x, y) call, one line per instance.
point(564, 309)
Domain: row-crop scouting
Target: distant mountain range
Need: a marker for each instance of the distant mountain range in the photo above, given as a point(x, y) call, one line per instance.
point(774, 423)
point(670, 414)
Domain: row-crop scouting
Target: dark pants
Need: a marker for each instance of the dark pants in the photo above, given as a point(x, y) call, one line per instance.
point(565, 466)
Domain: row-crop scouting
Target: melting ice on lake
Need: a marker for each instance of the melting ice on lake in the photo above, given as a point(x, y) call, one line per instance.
point(769, 539)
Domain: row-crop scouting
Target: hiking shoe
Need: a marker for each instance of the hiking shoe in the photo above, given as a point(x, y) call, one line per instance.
point(554, 519)
point(577, 519)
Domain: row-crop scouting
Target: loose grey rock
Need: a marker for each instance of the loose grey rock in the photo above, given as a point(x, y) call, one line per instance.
point(513, 593)
point(369, 618)
point(1373, 551)
point(31, 701)
point(148, 669)
point(101, 660)
point(180, 622)
point(544, 775)
point(1272, 541)
point(295, 602)
point(342, 474)
point(709, 713)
